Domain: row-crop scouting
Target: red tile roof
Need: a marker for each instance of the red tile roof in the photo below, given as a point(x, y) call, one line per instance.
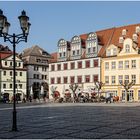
point(53, 58)
point(109, 36)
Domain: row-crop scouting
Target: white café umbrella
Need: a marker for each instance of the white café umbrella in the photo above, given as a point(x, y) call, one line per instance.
point(42, 90)
point(31, 91)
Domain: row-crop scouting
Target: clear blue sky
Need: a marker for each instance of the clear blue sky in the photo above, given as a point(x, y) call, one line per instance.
point(54, 20)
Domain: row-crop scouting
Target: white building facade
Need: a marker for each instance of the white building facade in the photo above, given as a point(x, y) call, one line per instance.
point(6, 77)
point(77, 62)
point(36, 61)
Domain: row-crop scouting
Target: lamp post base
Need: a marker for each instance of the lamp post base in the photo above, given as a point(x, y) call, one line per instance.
point(14, 127)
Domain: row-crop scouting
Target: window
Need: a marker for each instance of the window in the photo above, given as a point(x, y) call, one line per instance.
point(135, 37)
point(11, 64)
point(120, 64)
point(16, 73)
point(64, 54)
point(106, 65)
point(121, 39)
point(20, 86)
point(4, 72)
point(35, 68)
point(65, 66)
point(127, 48)
point(95, 63)
point(87, 78)
point(60, 54)
point(88, 64)
point(4, 85)
point(133, 77)
point(72, 79)
point(52, 80)
point(126, 78)
point(73, 52)
point(113, 79)
point(114, 51)
point(77, 52)
point(65, 80)
point(130, 93)
point(79, 64)
point(94, 49)
point(72, 65)
point(79, 79)
point(127, 64)
point(37, 76)
point(11, 86)
point(42, 77)
point(44, 68)
point(20, 73)
point(5, 63)
point(106, 79)
point(120, 78)
point(124, 32)
point(113, 65)
point(45, 77)
point(38, 60)
point(138, 94)
point(108, 52)
point(133, 63)
point(137, 29)
point(95, 78)
point(58, 66)
point(52, 67)
point(59, 80)
point(11, 73)
point(89, 49)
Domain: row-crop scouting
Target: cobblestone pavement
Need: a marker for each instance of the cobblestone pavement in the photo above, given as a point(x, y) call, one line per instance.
point(72, 121)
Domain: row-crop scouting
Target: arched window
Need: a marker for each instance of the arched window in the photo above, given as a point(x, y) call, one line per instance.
point(91, 43)
point(127, 48)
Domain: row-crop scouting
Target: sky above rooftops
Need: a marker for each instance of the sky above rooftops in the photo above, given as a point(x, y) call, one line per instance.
point(54, 20)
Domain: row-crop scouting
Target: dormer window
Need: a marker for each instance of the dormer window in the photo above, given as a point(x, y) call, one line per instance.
point(108, 52)
point(121, 39)
point(60, 54)
point(124, 32)
point(127, 48)
point(135, 37)
point(89, 50)
point(114, 51)
point(137, 29)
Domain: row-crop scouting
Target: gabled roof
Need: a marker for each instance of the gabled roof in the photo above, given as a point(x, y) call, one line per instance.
point(35, 51)
point(111, 36)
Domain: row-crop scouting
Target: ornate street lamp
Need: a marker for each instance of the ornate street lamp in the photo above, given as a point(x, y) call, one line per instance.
point(14, 39)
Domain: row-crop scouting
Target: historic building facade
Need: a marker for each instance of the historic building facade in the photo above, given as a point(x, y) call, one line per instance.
point(6, 75)
point(78, 61)
point(121, 62)
point(111, 56)
point(36, 61)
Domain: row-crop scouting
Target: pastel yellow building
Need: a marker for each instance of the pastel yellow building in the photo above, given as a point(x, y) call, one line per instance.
point(121, 62)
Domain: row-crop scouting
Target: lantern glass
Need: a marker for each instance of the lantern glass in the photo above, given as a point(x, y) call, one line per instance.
point(6, 28)
point(23, 21)
point(28, 28)
point(2, 20)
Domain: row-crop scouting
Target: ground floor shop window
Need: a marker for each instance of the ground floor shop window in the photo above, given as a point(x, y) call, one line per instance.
point(138, 94)
point(112, 92)
point(130, 95)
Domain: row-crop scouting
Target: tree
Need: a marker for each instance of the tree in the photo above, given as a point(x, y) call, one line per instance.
point(73, 87)
point(127, 86)
point(53, 89)
point(98, 86)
